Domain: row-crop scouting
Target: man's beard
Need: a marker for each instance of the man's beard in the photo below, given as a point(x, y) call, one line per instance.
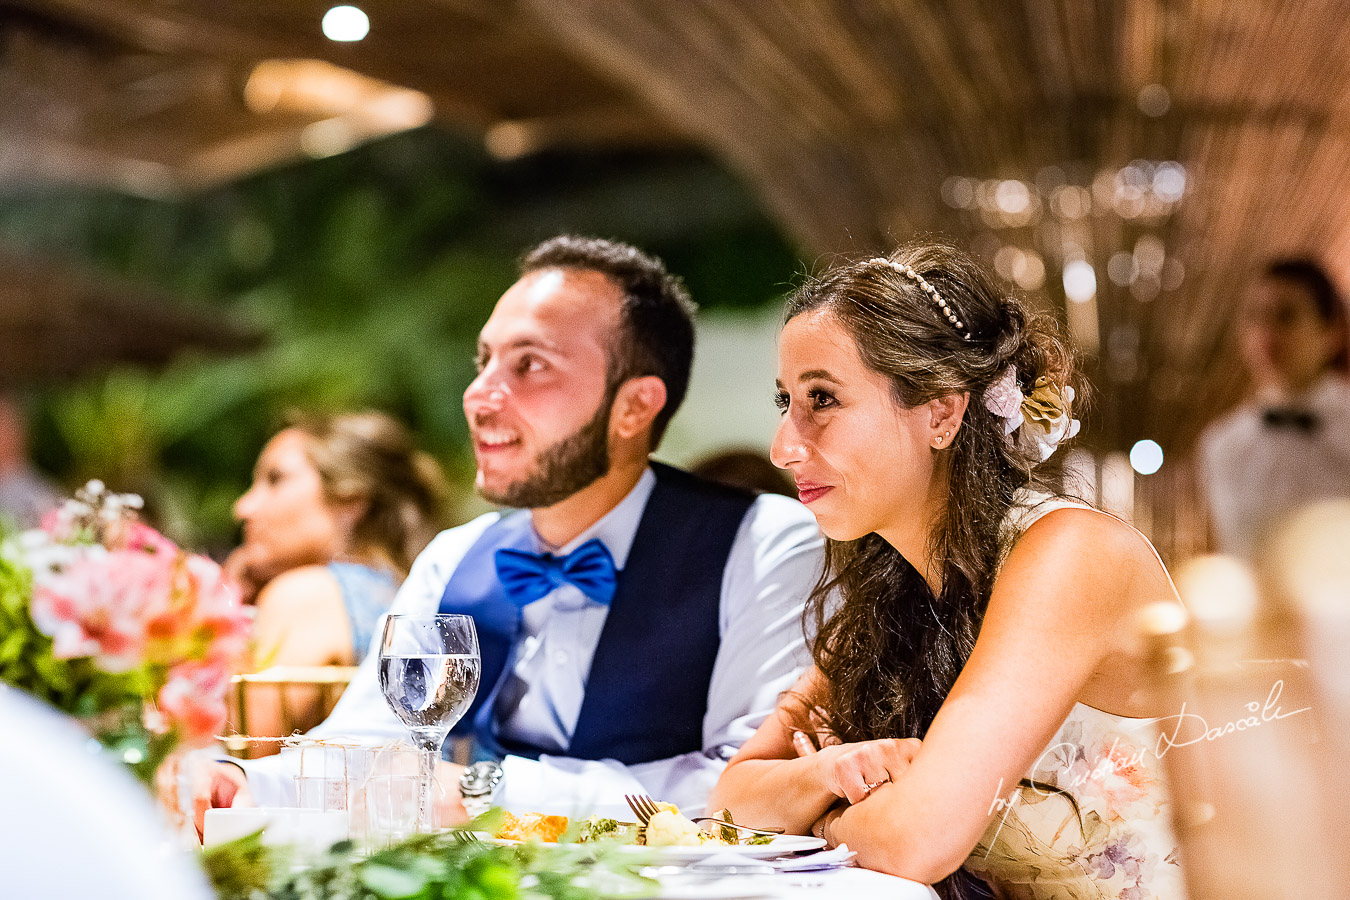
point(563, 469)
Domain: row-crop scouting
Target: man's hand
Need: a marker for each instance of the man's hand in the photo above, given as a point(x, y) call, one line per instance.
point(852, 771)
point(213, 785)
point(446, 797)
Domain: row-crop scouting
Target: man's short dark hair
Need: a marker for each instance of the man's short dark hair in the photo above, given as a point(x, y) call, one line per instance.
point(656, 318)
point(1309, 275)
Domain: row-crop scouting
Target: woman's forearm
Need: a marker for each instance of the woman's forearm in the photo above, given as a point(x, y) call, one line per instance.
point(788, 793)
point(888, 840)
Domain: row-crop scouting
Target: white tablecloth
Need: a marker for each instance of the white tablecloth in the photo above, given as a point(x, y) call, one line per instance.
point(852, 883)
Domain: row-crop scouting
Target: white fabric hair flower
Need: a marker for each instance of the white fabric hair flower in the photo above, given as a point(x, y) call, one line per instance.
point(1004, 398)
point(1041, 418)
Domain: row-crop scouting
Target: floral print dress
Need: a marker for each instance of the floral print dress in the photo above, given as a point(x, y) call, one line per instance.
point(1091, 818)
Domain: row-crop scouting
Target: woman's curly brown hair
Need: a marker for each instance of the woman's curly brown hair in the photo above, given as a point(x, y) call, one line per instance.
point(888, 647)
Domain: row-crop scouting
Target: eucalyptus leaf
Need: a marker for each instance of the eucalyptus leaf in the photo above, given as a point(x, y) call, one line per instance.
point(391, 883)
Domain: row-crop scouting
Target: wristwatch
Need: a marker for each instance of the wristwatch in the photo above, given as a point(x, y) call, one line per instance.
point(476, 785)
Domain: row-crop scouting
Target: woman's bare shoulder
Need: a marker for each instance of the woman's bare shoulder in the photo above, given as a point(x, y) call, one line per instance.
point(1086, 561)
point(1074, 533)
point(302, 621)
point(304, 589)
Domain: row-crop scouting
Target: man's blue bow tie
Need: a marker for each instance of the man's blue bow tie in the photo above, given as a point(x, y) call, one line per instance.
point(529, 576)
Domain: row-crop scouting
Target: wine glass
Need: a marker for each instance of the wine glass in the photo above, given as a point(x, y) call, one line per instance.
point(429, 670)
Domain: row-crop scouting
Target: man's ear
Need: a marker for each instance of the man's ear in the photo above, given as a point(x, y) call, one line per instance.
point(636, 405)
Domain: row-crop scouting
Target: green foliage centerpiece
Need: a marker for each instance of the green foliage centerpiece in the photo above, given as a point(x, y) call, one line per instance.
point(447, 866)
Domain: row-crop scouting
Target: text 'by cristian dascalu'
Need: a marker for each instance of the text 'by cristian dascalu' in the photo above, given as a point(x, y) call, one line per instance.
point(1182, 730)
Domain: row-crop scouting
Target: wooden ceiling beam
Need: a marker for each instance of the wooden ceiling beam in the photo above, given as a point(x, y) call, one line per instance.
point(160, 29)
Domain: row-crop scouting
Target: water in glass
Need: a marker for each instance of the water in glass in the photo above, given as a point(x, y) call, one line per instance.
point(429, 670)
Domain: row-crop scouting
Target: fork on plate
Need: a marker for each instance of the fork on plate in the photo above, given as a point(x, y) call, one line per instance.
point(645, 807)
point(746, 828)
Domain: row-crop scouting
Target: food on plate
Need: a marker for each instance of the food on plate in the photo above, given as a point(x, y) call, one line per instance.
point(597, 828)
point(667, 828)
point(670, 829)
point(531, 827)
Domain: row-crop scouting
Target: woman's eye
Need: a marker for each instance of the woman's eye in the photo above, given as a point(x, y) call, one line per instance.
point(780, 400)
point(820, 399)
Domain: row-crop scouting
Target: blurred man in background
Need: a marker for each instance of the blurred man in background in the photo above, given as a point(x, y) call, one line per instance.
point(1288, 444)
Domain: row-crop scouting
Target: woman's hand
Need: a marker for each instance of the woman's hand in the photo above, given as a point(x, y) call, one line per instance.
point(212, 785)
point(852, 771)
point(250, 568)
point(821, 827)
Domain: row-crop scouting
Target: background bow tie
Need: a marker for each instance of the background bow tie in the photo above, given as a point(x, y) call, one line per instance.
point(1290, 417)
point(527, 577)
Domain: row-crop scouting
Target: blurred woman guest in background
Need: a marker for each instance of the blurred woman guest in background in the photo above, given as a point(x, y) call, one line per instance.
point(339, 507)
point(974, 707)
point(1288, 444)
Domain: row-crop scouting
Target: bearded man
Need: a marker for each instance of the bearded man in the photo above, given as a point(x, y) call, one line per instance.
point(647, 681)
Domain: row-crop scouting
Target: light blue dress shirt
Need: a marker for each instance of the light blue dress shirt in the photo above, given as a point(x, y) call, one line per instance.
point(774, 562)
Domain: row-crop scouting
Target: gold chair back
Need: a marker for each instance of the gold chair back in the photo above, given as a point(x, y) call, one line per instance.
point(302, 696)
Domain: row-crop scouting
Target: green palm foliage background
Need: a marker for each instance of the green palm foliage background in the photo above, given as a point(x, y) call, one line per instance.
point(371, 274)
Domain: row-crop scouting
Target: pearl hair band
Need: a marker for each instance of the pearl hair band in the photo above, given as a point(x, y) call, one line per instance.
point(928, 289)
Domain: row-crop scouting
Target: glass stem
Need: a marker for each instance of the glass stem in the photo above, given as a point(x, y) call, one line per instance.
point(426, 810)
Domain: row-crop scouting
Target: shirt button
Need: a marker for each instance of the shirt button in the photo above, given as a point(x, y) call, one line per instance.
point(560, 657)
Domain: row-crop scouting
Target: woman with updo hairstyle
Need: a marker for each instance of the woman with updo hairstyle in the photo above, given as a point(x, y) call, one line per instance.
point(339, 507)
point(975, 709)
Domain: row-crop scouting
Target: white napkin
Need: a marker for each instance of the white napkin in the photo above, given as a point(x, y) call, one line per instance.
point(825, 859)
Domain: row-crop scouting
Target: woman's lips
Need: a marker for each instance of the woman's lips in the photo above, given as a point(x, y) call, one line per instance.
point(809, 493)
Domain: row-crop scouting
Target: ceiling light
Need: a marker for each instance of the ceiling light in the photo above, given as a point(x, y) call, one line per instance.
point(345, 23)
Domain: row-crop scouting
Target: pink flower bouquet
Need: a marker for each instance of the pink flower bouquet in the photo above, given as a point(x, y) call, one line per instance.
point(108, 620)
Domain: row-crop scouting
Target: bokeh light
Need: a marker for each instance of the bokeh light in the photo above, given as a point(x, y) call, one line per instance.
point(1146, 457)
point(345, 23)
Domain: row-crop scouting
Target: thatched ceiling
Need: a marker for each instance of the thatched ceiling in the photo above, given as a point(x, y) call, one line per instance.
point(56, 322)
point(850, 117)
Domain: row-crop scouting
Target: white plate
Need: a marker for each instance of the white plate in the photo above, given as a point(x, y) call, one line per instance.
point(779, 846)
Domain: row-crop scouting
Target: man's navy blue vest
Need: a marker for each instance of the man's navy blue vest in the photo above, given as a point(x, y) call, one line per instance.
point(647, 690)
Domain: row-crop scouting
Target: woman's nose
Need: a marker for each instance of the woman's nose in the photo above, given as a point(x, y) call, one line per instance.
point(243, 507)
point(787, 447)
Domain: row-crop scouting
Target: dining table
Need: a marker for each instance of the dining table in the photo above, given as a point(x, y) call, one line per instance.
point(851, 882)
point(673, 873)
